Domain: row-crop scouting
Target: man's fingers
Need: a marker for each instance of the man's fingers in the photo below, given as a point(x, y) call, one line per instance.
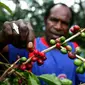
point(30, 46)
point(7, 28)
point(31, 37)
point(21, 33)
point(15, 28)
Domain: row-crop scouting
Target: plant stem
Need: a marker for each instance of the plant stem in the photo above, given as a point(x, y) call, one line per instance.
point(28, 60)
point(9, 69)
point(79, 57)
point(72, 37)
point(52, 47)
point(6, 64)
point(4, 58)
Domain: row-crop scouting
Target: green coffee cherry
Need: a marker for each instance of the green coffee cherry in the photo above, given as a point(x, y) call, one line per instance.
point(84, 66)
point(63, 50)
point(69, 48)
point(65, 44)
point(78, 62)
point(70, 33)
point(83, 34)
point(80, 70)
point(52, 42)
point(78, 50)
point(62, 39)
point(23, 59)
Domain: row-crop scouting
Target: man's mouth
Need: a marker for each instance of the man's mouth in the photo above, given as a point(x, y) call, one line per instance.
point(55, 36)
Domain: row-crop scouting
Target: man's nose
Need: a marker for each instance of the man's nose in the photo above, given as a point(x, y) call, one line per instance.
point(58, 26)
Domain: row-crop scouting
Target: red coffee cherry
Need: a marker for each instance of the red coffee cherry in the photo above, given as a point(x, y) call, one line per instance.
point(23, 67)
point(76, 28)
point(72, 29)
point(42, 54)
point(40, 62)
point(58, 45)
point(36, 52)
point(29, 65)
point(71, 55)
point(34, 59)
point(20, 81)
point(44, 58)
point(31, 54)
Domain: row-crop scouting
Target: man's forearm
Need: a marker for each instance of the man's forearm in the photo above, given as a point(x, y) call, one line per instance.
point(2, 40)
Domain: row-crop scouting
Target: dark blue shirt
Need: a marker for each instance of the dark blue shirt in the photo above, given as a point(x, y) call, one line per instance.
point(56, 63)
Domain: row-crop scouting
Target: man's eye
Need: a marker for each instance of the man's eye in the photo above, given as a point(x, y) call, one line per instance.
point(66, 23)
point(53, 19)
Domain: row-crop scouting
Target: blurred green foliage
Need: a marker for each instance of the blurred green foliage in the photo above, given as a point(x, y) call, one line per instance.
point(36, 16)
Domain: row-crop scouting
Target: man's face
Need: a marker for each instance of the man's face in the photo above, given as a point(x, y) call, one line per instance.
point(57, 22)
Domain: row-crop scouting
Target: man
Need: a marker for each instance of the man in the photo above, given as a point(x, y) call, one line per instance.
point(57, 20)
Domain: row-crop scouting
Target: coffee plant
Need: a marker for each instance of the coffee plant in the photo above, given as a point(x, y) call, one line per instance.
point(20, 72)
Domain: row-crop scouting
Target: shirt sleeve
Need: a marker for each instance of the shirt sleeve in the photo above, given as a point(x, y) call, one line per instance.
point(14, 52)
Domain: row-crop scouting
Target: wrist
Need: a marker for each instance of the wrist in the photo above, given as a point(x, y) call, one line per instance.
point(3, 41)
point(2, 38)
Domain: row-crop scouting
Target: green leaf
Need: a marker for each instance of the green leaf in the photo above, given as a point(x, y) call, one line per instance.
point(31, 78)
point(6, 7)
point(5, 82)
point(50, 79)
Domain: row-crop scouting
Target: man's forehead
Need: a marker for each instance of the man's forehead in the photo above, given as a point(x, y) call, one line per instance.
point(60, 10)
point(58, 7)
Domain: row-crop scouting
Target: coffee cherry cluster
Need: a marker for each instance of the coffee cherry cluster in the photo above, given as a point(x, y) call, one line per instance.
point(38, 57)
point(63, 47)
point(35, 56)
point(74, 29)
point(80, 66)
point(72, 55)
point(24, 67)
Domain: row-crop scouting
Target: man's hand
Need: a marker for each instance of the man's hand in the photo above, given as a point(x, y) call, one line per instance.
point(19, 33)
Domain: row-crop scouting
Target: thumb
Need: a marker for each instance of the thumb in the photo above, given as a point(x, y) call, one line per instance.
point(30, 37)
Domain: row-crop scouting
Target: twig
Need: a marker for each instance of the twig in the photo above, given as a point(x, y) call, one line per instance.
point(52, 47)
point(72, 37)
point(17, 73)
point(10, 68)
point(46, 50)
point(79, 57)
point(4, 58)
point(6, 64)
point(28, 60)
